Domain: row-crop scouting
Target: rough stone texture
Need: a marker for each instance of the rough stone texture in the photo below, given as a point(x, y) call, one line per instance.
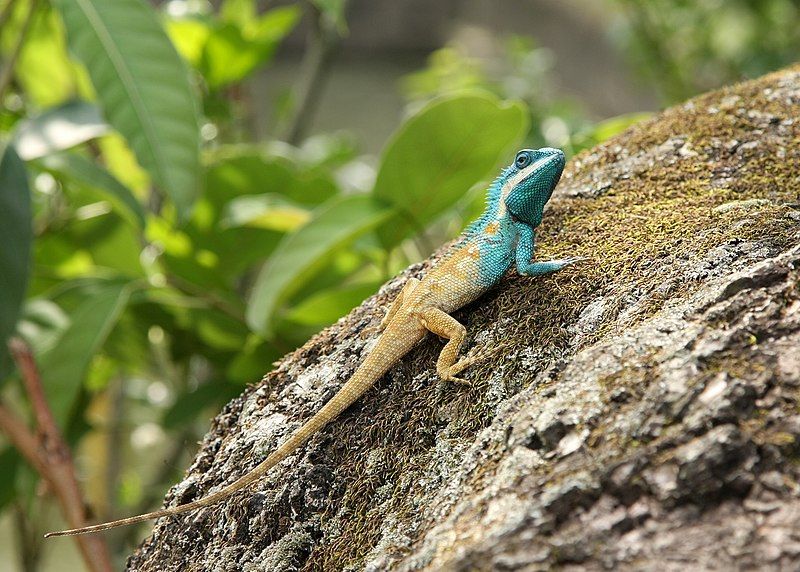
point(642, 412)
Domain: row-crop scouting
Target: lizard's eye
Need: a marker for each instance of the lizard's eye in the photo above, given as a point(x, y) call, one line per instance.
point(522, 160)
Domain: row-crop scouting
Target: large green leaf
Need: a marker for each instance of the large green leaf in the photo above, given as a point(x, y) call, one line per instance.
point(303, 252)
point(64, 366)
point(442, 151)
point(143, 88)
point(16, 235)
point(85, 172)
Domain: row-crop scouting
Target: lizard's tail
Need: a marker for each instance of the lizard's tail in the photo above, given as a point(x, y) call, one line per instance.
point(374, 366)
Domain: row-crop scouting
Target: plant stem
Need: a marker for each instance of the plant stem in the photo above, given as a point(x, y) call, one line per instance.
point(7, 73)
point(49, 454)
point(323, 43)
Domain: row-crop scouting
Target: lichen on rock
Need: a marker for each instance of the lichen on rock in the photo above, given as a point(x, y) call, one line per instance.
point(644, 412)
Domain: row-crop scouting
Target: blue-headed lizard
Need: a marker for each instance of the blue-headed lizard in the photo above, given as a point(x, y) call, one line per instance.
point(502, 236)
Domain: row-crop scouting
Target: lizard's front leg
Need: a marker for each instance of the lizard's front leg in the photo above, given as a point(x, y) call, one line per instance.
point(524, 254)
point(444, 325)
point(408, 288)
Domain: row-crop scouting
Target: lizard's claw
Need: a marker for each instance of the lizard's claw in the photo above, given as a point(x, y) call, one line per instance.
point(571, 260)
point(457, 380)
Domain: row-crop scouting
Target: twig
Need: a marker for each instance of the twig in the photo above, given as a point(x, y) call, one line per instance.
point(8, 71)
point(323, 43)
point(114, 446)
point(50, 456)
point(6, 11)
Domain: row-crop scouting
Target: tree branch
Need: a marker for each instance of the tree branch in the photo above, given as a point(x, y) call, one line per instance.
point(49, 454)
point(7, 72)
point(323, 42)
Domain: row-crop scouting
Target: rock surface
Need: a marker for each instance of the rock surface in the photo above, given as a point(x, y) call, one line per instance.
point(643, 412)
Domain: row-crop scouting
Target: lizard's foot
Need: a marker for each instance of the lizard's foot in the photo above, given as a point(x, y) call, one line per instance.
point(548, 266)
point(465, 362)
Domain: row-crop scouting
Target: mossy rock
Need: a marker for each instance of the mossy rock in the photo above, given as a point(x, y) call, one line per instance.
point(641, 412)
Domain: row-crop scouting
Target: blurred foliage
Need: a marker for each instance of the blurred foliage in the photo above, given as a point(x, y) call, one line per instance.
point(514, 68)
point(157, 257)
point(685, 47)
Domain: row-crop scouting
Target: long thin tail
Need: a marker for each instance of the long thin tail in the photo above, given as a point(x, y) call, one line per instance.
point(374, 366)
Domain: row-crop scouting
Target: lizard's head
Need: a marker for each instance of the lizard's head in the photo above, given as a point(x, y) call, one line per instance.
point(530, 181)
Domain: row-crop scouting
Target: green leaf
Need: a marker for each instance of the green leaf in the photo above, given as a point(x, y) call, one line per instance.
point(58, 128)
point(248, 171)
point(189, 36)
point(606, 129)
point(143, 88)
point(439, 153)
point(190, 404)
point(64, 366)
point(84, 171)
point(16, 236)
point(42, 324)
point(325, 307)
point(236, 48)
point(9, 461)
point(44, 70)
point(302, 253)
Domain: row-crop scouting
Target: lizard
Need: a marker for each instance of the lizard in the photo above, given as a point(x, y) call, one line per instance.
point(503, 235)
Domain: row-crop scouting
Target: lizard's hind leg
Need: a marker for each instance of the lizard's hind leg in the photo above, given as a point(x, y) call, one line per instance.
point(444, 325)
point(397, 303)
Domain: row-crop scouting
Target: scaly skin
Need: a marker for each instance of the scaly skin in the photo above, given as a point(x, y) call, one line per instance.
point(502, 236)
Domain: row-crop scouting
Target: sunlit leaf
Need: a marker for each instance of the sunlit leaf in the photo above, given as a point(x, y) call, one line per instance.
point(269, 211)
point(189, 35)
point(142, 86)
point(302, 253)
point(606, 129)
point(16, 235)
point(239, 12)
point(236, 48)
point(58, 128)
point(442, 151)
point(122, 164)
point(64, 366)
point(44, 70)
point(84, 171)
point(42, 323)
